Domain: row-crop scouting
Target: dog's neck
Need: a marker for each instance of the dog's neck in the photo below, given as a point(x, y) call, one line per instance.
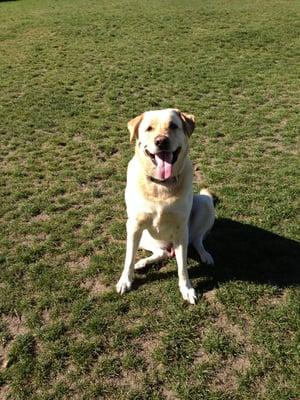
point(155, 190)
point(169, 181)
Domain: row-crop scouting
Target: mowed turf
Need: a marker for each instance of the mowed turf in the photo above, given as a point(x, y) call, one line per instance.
point(72, 74)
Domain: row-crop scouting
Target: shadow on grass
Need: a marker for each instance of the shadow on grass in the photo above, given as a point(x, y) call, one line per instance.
point(242, 252)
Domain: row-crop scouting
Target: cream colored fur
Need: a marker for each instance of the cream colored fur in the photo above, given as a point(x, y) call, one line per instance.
point(164, 216)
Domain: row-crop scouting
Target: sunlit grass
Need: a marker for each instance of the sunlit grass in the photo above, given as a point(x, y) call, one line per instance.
point(72, 74)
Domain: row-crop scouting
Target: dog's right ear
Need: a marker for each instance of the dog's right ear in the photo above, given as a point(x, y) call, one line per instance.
point(133, 126)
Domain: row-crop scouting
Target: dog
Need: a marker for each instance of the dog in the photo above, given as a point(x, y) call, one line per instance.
point(164, 216)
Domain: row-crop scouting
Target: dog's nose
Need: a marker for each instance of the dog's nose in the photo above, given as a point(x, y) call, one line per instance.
point(163, 142)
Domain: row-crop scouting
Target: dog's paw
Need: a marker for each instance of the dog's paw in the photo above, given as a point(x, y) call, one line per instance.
point(188, 294)
point(124, 285)
point(140, 264)
point(206, 258)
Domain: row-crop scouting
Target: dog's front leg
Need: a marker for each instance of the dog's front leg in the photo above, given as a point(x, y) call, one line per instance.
point(134, 233)
point(186, 289)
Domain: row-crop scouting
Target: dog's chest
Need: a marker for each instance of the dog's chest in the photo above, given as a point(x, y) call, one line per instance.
point(163, 220)
point(165, 225)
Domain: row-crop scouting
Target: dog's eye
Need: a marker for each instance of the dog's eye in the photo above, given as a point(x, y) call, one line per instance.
point(173, 126)
point(149, 129)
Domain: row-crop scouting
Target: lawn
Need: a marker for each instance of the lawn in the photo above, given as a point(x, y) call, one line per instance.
point(73, 72)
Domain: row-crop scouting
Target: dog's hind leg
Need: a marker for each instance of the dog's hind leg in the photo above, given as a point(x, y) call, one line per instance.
point(201, 221)
point(205, 256)
point(149, 244)
point(159, 255)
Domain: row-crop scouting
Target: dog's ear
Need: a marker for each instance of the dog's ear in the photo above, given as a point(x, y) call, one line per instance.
point(133, 126)
point(188, 122)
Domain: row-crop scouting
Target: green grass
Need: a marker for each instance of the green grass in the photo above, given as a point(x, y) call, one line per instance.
point(72, 74)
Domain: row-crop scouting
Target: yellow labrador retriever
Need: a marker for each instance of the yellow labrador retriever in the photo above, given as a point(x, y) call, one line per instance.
point(163, 214)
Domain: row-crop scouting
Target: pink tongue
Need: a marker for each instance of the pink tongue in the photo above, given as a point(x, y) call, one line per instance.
point(164, 164)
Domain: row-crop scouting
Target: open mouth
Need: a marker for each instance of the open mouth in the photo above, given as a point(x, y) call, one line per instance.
point(163, 162)
point(169, 156)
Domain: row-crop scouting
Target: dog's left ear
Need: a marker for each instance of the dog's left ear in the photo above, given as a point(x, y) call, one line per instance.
point(188, 122)
point(133, 126)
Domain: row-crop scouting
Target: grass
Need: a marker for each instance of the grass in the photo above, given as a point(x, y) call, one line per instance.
point(72, 74)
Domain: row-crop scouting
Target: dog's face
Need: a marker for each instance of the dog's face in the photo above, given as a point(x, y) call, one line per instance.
point(162, 141)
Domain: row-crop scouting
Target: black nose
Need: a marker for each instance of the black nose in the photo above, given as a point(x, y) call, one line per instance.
point(163, 142)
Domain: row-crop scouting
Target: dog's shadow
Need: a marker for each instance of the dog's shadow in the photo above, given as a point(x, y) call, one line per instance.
point(242, 252)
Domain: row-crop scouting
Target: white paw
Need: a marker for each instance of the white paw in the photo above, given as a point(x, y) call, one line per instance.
point(124, 285)
point(206, 258)
point(188, 294)
point(140, 264)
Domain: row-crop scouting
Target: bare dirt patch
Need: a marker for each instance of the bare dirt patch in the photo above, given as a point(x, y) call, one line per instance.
point(273, 301)
point(201, 357)
point(4, 392)
point(146, 346)
point(198, 177)
point(223, 322)
point(41, 217)
point(46, 317)
point(131, 379)
point(210, 297)
point(233, 330)
point(15, 326)
point(95, 286)
point(79, 263)
point(169, 394)
point(229, 368)
point(149, 345)
point(226, 378)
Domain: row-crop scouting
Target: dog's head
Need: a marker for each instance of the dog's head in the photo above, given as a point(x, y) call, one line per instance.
point(162, 141)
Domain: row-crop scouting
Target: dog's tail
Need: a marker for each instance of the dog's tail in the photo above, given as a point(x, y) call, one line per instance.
point(206, 192)
point(215, 200)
